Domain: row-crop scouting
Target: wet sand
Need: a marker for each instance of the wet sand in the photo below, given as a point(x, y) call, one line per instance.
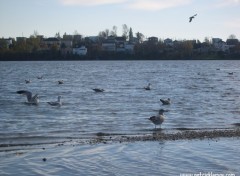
point(213, 151)
point(158, 135)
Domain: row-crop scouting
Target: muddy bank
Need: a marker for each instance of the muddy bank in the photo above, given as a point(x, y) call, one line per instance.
point(160, 136)
point(156, 135)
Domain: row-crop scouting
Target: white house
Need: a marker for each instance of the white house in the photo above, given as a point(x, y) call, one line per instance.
point(220, 45)
point(82, 51)
point(168, 42)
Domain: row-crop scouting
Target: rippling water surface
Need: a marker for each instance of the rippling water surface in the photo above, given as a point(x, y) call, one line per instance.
point(204, 96)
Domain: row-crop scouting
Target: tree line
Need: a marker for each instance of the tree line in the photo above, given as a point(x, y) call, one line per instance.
point(143, 49)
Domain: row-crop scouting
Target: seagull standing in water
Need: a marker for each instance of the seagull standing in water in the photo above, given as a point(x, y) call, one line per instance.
point(39, 77)
point(27, 81)
point(166, 102)
point(56, 103)
point(60, 82)
point(148, 87)
point(30, 99)
point(158, 119)
point(191, 18)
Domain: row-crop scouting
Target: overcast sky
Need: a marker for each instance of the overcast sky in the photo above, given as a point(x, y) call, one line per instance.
point(160, 18)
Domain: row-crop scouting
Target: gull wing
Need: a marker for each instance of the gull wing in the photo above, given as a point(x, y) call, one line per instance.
point(35, 97)
point(27, 93)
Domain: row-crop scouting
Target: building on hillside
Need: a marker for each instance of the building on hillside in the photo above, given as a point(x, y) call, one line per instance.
point(153, 40)
point(77, 37)
point(216, 40)
point(109, 44)
point(168, 42)
point(81, 51)
point(134, 40)
point(6, 43)
point(220, 45)
point(129, 48)
point(66, 47)
point(93, 39)
point(67, 37)
point(52, 42)
point(21, 39)
point(120, 43)
point(232, 42)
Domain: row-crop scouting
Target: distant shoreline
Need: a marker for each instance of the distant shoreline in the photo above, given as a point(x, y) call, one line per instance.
point(124, 58)
point(23, 56)
point(12, 60)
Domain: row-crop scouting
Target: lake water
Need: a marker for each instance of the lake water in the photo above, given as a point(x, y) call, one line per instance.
point(204, 96)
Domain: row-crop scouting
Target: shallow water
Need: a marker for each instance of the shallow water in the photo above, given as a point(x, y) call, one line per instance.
point(219, 156)
point(203, 97)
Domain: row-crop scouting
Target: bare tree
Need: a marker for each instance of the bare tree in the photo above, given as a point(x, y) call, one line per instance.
point(107, 32)
point(104, 34)
point(232, 36)
point(114, 31)
point(125, 31)
point(140, 37)
point(35, 33)
point(57, 35)
point(130, 35)
point(76, 32)
point(207, 40)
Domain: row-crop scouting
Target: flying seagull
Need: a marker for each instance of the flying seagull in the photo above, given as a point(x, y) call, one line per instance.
point(191, 18)
point(30, 99)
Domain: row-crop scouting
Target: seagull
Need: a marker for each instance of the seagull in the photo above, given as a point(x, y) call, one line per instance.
point(27, 81)
point(98, 90)
point(148, 87)
point(56, 103)
point(30, 99)
point(191, 18)
point(60, 82)
point(158, 119)
point(39, 77)
point(166, 102)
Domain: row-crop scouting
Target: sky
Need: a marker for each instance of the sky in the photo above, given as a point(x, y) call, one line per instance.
point(159, 18)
